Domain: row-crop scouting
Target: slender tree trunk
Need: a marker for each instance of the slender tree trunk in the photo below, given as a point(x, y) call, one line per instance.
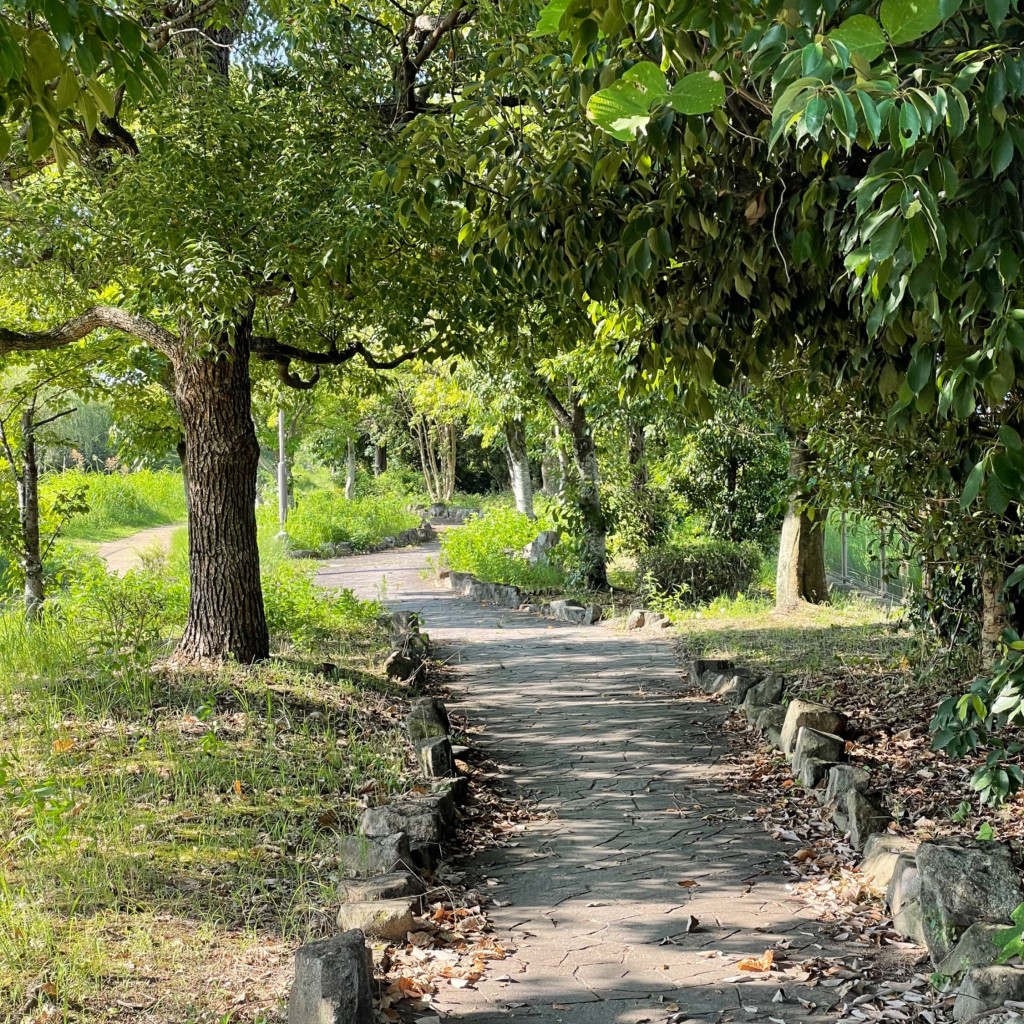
point(519, 466)
point(350, 471)
point(994, 617)
point(801, 567)
point(28, 494)
point(380, 459)
point(640, 483)
point(563, 461)
point(225, 616)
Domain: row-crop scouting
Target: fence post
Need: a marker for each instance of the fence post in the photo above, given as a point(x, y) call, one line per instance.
point(842, 548)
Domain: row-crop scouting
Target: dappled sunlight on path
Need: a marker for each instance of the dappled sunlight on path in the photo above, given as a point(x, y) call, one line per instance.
point(630, 777)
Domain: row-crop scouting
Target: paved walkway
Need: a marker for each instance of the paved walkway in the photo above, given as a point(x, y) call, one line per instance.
point(590, 721)
point(126, 552)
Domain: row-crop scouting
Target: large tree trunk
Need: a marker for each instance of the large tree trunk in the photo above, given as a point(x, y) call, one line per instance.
point(350, 471)
point(519, 466)
point(28, 494)
point(994, 618)
point(801, 568)
point(225, 616)
point(380, 459)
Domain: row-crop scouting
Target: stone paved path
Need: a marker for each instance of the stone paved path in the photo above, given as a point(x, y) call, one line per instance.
point(592, 723)
point(126, 552)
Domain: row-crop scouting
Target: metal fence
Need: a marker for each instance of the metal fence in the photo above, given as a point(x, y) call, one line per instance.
point(861, 556)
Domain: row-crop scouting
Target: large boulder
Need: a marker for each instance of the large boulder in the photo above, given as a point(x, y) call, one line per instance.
point(881, 853)
point(363, 856)
point(963, 882)
point(842, 778)
point(574, 612)
point(986, 988)
point(333, 982)
point(806, 714)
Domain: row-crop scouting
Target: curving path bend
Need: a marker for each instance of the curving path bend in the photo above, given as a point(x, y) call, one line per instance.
point(591, 722)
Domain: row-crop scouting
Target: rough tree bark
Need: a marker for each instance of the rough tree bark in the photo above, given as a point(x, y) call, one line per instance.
point(572, 418)
point(801, 567)
point(994, 614)
point(350, 471)
point(225, 616)
point(519, 465)
point(28, 501)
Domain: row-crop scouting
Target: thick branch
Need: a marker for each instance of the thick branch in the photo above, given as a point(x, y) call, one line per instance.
point(561, 414)
point(274, 351)
point(94, 319)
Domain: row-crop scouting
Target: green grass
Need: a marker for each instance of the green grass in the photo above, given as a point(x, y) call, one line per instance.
point(159, 828)
point(120, 503)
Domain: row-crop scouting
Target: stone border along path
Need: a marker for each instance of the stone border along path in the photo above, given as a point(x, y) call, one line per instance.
point(630, 778)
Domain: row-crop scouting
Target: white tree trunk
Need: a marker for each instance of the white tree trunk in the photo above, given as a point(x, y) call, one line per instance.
point(350, 471)
point(519, 466)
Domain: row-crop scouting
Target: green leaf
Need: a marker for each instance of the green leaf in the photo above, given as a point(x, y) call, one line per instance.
point(972, 486)
point(550, 19)
point(1009, 438)
point(997, 10)
point(620, 110)
point(1002, 153)
point(814, 116)
point(648, 76)
point(861, 35)
point(920, 370)
point(698, 93)
point(907, 20)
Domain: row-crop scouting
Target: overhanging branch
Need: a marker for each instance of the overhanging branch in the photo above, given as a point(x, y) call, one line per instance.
point(93, 319)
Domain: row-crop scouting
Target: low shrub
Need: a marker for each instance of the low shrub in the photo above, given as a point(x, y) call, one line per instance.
point(489, 546)
point(698, 571)
point(119, 503)
point(326, 517)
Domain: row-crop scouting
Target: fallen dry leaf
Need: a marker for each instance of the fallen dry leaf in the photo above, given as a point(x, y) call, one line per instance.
point(757, 963)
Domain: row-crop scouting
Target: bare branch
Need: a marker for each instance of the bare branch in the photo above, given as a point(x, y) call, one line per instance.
point(93, 319)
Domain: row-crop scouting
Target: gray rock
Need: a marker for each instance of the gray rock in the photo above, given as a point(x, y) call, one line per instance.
point(380, 919)
point(454, 790)
point(435, 757)
point(977, 948)
point(713, 679)
point(985, 988)
point(426, 819)
point(842, 779)
point(333, 982)
point(773, 735)
point(881, 852)
point(863, 819)
point(734, 688)
point(574, 612)
point(540, 548)
point(427, 719)
point(771, 718)
point(363, 856)
point(391, 886)
point(804, 713)
point(751, 712)
point(961, 883)
point(821, 745)
point(402, 667)
point(766, 692)
point(909, 921)
point(813, 771)
point(637, 619)
point(696, 667)
point(905, 883)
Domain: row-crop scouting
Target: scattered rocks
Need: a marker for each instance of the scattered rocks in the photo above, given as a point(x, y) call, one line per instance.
point(391, 886)
point(362, 856)
point(427, 719)
point(380, 919)
point(637, 619)
point(804, 713)
point(813, 771)
point(863, 818)
point(977, 948)
point(541, 547)
point(437, 761)
point(985, 988)
point(696, 667)
point(574, 612)
point(961, 883)
point(768, 691)
point(333, 982)
point(734, 688)
point(771, 720)
point(881, 853)
point(822, 746)
point(842, 778)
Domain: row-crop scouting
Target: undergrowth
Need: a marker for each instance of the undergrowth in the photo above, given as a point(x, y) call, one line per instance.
point(120, 503)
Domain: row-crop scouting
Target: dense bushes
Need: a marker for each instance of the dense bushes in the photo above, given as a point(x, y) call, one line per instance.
point(489, 546)
point(699, 570)
point(327, 517)
point(120, 503)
